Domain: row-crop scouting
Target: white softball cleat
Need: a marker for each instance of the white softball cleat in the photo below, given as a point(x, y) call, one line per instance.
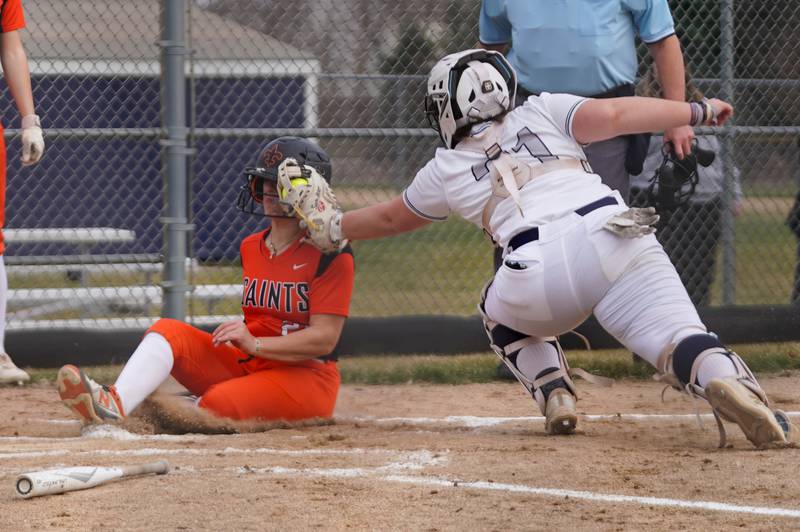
point(735, 402)
point(10, 373)
point(560, 413)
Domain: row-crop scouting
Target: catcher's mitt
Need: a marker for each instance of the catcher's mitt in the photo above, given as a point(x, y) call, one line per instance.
point(306, 194)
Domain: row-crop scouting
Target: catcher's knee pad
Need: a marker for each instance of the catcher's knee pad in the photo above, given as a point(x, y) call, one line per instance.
point(689, 350)
point(680, 363)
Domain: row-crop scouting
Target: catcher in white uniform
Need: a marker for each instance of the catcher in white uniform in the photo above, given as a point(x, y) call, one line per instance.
point(571, 245)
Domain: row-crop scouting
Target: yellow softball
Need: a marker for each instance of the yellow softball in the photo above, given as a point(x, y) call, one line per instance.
point(296, 182)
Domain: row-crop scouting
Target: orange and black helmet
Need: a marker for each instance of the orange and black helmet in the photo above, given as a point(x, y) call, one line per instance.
point(270, 157)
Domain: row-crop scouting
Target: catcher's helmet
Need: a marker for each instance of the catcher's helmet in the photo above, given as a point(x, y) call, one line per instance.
point(270, 158)
point(467, 88)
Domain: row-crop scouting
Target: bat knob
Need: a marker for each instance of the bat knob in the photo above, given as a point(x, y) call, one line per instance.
point(24, 486)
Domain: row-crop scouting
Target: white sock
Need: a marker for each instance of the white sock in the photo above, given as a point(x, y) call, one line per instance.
point(147, 368)
point(535, 358)
point(714, 366)
point(3, 303)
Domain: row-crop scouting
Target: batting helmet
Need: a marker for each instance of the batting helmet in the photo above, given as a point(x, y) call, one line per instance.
point(270, 158)
point(467, 88)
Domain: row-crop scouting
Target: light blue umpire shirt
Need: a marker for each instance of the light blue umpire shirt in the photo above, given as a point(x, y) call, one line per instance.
point(582, 47)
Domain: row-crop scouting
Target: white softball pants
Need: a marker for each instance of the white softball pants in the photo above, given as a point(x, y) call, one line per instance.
point(577, 268)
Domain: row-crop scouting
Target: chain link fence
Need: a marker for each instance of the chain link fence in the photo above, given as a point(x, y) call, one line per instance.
point(350, 74)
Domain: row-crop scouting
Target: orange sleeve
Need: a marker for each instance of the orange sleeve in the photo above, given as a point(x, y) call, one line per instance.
point(11, 16)
point(330, 292)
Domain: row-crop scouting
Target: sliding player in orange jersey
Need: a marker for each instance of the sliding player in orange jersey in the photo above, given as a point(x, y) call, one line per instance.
point(276, 364)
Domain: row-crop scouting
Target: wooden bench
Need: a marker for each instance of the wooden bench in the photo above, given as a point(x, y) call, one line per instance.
point(110, 324)
point(37, 302)
point(49, 300)
point(79, 267)
point(83, 238)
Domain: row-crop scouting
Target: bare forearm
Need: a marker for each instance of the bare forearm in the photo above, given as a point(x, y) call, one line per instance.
point(297, 346)
point(668, 58)
point(598, 120)
point(366, 223)
point(16, 73)
point(384, 219)
point(649, 114)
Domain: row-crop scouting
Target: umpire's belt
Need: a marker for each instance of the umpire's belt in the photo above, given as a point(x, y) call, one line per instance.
point(625, 89)
point(532, 234)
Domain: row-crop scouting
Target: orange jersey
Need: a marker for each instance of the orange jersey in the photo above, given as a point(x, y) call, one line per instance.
point(280, 294)
point(11, 16)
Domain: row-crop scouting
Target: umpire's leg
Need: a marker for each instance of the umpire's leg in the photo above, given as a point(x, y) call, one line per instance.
point(796, 289)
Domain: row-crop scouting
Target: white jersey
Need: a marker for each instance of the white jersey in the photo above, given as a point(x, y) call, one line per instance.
point(538, 131)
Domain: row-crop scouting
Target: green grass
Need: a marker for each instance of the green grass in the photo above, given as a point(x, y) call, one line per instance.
point(454, 369)
point(765, 252)
point(437, 270)
point(481, 367)
point(101, 374)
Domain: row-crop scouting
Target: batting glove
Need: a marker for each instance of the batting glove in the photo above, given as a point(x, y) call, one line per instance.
point(633, 223)
point(32, 140)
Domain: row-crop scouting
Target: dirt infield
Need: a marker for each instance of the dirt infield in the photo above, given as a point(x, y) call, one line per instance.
point(415, 457)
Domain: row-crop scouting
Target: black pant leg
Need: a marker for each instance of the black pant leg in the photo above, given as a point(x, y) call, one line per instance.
point(796, 290)
point(690, 239)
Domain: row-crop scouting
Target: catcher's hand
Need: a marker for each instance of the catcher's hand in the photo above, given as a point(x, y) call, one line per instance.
point(633, 223)
point(305, 192)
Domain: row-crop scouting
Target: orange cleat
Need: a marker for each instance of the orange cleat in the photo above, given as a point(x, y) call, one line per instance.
point(91, 402)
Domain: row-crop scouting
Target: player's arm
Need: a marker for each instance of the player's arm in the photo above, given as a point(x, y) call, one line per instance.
point(494, 28)
point(388, 218)
point(18, 79)
point(603, 119)
point(316, 340)
point(668, 58)
point(15, 71)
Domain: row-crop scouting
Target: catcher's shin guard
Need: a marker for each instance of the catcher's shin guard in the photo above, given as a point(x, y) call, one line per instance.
point(739, 399)
point(552, 389)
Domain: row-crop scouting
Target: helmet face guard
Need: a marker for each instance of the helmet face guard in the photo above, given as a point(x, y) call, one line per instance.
point(446, 115)
point(251, 194)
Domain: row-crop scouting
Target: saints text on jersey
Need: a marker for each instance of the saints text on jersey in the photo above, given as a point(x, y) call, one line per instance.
point(277, 295)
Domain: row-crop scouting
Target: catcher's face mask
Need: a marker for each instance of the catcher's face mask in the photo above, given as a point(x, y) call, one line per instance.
point(674, 182)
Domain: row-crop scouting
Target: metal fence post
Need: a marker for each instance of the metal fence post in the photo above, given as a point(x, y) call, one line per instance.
point(173, 116)
point(727, 149)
